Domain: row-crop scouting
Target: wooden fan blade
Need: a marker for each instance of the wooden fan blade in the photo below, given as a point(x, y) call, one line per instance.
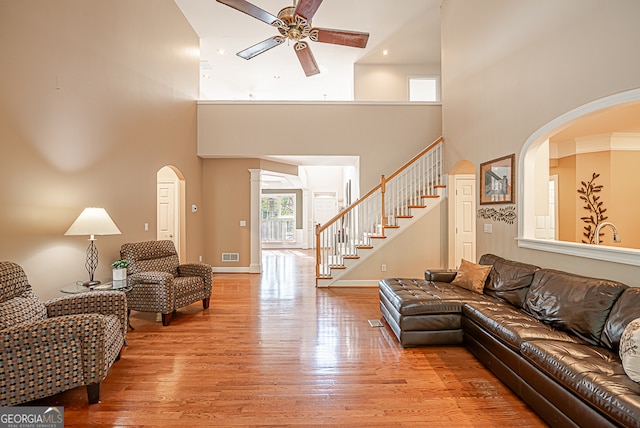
point(261, 47)
point(307, 8)
point(354, 39)
point(306, 59)
point(251, 10)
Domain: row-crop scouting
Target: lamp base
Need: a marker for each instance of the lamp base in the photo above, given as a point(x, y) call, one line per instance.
point(91, 283)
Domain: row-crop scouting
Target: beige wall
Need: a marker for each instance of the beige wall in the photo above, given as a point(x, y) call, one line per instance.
point(617, 195)
point(508, 68)
point(381, 82)
point(624, 209)
point(408, 254)
point(586, 165)
point(384, 136)
point(97, 96)
point(567, 208)
point(227, 201)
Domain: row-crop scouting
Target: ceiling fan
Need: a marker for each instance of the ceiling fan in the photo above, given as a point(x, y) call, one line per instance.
point(294, 23)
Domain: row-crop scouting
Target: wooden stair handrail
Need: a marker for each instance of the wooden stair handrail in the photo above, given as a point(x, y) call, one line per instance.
point(415, 158)
point(346, 210)
point(377, 187)
point(383, 220)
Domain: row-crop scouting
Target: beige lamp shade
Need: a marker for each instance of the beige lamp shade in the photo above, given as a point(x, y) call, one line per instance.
point(93, 221)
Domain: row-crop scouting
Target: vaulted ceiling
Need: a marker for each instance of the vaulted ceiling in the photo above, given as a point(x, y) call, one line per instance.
point(409, 30)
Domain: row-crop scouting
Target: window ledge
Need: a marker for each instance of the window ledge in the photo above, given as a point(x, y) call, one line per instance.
point(628, 256)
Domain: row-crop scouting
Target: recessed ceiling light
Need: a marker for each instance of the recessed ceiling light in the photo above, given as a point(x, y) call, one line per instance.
point(385, 52)
point(221, 51)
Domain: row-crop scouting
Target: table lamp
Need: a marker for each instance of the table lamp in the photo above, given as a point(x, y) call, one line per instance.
point(92, 221)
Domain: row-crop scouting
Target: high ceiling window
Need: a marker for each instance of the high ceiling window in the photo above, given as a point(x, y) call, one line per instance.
point(424, 89)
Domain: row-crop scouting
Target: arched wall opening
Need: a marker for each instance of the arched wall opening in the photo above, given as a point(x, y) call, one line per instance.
point(532, 178)
point(170, 208)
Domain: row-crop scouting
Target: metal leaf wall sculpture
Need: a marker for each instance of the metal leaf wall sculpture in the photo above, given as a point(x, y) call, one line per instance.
point(592, 203)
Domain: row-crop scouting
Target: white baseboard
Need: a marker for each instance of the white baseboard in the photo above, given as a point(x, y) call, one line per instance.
point(217, 269)
point(352, 283)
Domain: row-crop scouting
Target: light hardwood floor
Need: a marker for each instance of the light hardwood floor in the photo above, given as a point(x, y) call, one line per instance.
point(272, 350)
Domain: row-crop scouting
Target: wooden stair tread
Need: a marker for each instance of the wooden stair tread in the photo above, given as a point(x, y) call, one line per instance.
point(422, 184)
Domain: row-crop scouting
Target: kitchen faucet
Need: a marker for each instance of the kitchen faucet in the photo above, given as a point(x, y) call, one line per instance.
point(616, 237)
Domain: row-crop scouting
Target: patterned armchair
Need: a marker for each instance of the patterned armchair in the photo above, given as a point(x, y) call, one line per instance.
point(160, 283)
point(50, 347)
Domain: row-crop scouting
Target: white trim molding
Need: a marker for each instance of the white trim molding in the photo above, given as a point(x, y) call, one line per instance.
point(352, 283)
point(218, 269)
point(627, 256)
point(614, 141)
point(256, 241)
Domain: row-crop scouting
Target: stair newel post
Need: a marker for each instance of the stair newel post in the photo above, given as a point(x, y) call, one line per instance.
point(317, 252)
point(383, 189)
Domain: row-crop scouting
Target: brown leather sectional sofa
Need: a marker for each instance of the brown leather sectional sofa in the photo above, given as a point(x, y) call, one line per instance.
point(551, 336)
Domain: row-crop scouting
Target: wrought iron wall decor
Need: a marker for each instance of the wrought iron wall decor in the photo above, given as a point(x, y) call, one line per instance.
point(592, 203)
point(505, 214)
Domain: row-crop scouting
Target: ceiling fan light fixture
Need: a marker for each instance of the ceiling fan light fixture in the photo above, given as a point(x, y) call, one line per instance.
point(294, 24)
point(295, 27)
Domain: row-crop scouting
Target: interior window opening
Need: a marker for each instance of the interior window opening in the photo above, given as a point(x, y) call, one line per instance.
point(423, 89)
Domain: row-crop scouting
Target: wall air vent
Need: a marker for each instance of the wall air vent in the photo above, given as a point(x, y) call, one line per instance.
point(230, 257)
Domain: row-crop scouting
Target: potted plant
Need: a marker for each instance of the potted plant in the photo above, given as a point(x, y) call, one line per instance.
point(120, 269)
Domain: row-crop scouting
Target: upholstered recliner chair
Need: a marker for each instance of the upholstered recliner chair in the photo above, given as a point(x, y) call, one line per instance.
point(159, 283)
point(50, 347)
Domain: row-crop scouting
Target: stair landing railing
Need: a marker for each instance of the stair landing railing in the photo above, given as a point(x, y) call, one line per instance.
point(365, 220)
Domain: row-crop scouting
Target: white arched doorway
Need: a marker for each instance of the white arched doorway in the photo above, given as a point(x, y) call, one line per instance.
point(170, 224)
point(535, 152)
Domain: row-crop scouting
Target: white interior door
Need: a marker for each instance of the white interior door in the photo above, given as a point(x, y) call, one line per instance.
point(167, 212)
point(324, 208)
point(546, 225)
point(464, 221)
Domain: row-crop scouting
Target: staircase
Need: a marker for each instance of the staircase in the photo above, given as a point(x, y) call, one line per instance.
point(398, 201)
